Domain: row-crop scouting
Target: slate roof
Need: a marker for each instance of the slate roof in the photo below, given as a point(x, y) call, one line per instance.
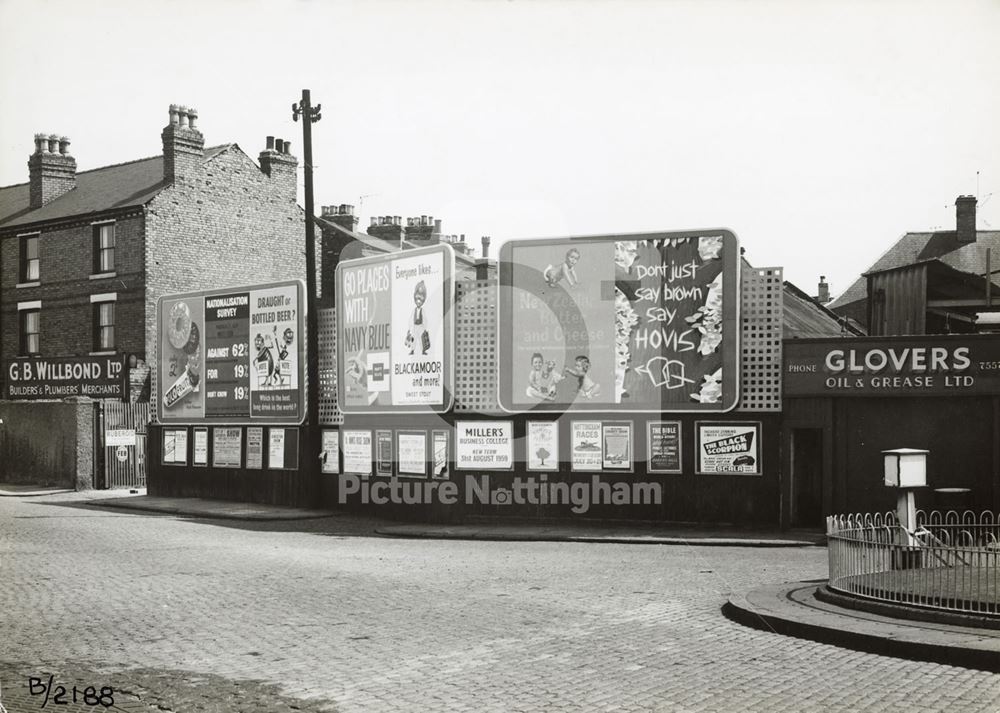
point(121, 185)
point(941, 246)
point(803, 317)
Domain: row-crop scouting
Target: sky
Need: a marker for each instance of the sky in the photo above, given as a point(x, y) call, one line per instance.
point(819, 132)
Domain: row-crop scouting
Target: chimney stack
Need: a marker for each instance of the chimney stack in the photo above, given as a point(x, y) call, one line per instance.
point(183, 143)
point(342, 215)
point(51, 170)
point(824, 291)
point(387, 227)
point(965, 219)
point(423, 230)
point(277, 162)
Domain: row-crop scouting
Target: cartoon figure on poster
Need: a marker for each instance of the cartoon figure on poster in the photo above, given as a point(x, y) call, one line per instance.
point(274, 359)
point(417, 336)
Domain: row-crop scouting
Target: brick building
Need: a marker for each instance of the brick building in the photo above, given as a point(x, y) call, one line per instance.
point(84, 256)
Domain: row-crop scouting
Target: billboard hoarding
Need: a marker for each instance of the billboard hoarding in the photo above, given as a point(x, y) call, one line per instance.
point(394, 331)
point(232, 355)
point(640, 323)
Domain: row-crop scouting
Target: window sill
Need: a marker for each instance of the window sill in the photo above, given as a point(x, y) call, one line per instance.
point(103, 275)
point(19, 285)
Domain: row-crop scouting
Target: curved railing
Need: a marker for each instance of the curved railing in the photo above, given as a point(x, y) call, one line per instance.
point(949, 560)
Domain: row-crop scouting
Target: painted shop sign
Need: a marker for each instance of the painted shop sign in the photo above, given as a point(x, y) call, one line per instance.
point(394, 331)
point(938, 365)
point(97, 377)
point(232, 356)
point(646, 322)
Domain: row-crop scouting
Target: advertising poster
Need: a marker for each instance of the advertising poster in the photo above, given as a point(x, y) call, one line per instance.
point(200, 446)
point(617, 445)
point(383, 453)
point(231, 356)
point(276, 448)
point(586, 440)
point(227, 448)
point(649, 323)
point(174, 446)
point(484, 445)
point(331, 447)
point(255, 447)
point(357, 449)
point(663, 446)
point(728, 448)
point(412, 449)
point(439, 444)
point(394, 335)
point(543, 445)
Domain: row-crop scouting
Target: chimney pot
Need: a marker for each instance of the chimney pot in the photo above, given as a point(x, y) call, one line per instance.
point(286, 147)
point(269, 145)
point(182, 114)
point(64, 145)
point(486, 246)
point(53, 143)
point(173, 114)
point(461, 238)
point(192, 116)
point(41, 143)
point(374, 221)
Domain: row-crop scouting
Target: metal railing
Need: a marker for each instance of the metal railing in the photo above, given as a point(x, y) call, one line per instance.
point(949, 561)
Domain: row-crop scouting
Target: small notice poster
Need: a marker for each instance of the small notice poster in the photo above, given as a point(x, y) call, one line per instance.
point(412, 449)
point(383, 453)
point(484, 445)
point(357, 448)
point(331, 449)
point(617, 444)
point(175, 445)
point(543, 445)
point(226, 447)
point(729, 448)
point(276, 448)
point(586, 443)
point(663, 449)
point(440, 447)
point(255, 447)
point(201, 446)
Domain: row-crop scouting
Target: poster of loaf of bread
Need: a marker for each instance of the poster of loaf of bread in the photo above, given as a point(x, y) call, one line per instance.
point(634, 322)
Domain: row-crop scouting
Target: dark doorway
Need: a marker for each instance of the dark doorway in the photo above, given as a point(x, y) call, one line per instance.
point(807, 477)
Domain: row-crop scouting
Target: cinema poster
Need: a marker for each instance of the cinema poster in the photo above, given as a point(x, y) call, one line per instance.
point(394, 331)
point(641, 323)
point(728, 448)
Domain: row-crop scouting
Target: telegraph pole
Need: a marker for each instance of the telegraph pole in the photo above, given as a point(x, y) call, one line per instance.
point(311, 449)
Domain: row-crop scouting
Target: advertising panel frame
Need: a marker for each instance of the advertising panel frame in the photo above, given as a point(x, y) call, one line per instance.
point(494, 423)
point(192, 347)
point(507, 393)
point(352, 368)
point(548, 432)
point(592, 425)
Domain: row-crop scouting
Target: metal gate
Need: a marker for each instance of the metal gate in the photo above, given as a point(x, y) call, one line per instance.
point(123, 433)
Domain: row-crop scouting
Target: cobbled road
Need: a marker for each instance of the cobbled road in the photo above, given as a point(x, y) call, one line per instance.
point(185, 615)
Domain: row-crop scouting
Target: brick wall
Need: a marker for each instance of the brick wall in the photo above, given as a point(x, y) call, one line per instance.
point(223, 224)
point(66, 259)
